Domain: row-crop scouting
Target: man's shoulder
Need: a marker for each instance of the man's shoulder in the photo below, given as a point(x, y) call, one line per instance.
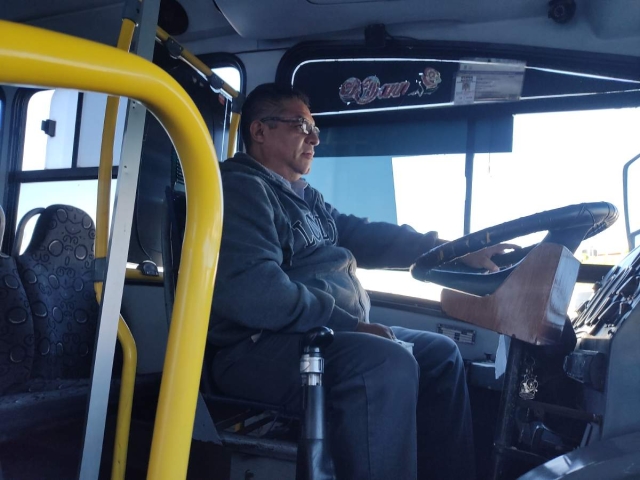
point(243, 183)
point(235, 175)
point(242, 169)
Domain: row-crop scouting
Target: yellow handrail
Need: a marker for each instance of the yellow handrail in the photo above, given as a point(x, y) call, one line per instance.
point(128, 343)
point(197, 64)
point(125, 401)
point(233, 134)
point(137, 276)
point(32, 56)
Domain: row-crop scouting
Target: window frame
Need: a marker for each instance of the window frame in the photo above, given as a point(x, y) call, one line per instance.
point(17, 176)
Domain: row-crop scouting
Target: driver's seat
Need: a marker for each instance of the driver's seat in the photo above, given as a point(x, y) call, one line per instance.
point(309, 449)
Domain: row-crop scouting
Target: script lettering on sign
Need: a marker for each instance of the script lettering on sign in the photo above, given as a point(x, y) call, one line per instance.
point(369, 89)
point(366, 91)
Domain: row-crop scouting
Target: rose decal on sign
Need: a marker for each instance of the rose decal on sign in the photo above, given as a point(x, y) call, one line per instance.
point(430, 78)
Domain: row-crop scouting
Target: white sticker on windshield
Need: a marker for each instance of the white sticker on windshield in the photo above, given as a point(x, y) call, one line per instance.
point(465, 91)
point(489, 80)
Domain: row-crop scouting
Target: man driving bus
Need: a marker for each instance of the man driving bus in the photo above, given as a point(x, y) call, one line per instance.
point(287, 264)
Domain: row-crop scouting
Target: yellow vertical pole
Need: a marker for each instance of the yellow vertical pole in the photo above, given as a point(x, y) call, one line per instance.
point(233, 134)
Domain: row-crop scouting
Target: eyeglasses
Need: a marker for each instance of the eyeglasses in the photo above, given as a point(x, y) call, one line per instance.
point(305, 125)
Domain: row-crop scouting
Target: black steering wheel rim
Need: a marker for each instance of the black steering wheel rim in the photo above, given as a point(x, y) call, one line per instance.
point(568, 226)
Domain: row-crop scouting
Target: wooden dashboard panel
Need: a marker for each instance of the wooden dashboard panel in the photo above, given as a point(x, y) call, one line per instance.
point(530, 305)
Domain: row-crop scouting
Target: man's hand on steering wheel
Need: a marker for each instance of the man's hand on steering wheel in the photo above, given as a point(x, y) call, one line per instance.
point(482, 258)
point(567, 226)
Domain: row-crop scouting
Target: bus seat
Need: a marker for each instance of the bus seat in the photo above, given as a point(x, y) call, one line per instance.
point(16, 323)
point(57, 273)
point(173, 234)
point(48, 319)
point(16, 327)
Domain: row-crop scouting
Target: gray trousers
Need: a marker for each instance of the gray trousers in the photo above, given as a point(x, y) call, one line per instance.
point(390, 415)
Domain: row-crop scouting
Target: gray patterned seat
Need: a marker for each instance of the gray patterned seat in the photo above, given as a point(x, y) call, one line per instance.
point(16, 328)
point(57, 273)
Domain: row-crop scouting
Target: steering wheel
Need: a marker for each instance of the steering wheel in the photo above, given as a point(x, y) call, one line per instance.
point(568, 226)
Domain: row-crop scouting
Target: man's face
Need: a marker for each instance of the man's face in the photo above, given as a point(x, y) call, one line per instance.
point(286, 149)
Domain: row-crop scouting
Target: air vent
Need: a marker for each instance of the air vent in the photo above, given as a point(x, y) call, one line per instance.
point(177, 177)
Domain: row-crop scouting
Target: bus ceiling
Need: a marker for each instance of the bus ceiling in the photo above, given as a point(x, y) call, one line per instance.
point(598, 26)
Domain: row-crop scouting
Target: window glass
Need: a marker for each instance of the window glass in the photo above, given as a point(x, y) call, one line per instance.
point(35, 140)
point(560, 159)
point(81, 194)
point(231, 75)
point(53, 149)
point(426, 192)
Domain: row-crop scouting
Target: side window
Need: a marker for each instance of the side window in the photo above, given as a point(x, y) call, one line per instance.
point(421, 180)
point(62, 139)
point(34, 153)
point(430, 192)
point(631, 179)
point(232, 76)
point(559, 159)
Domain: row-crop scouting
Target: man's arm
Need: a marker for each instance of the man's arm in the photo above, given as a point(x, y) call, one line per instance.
point(251, 288)
point(386, 245)
point(381, 244)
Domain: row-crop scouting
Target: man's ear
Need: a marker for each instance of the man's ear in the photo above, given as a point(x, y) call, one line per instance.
point(257, 131)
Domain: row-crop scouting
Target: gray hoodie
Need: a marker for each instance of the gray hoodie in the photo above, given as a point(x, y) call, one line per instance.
point(288, 264)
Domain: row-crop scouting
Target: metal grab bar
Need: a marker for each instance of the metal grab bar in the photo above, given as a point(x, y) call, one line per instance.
point(32, 56)
point(178, 51)
point(233, 133)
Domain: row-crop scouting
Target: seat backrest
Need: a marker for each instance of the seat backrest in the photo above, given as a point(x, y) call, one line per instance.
point(16, 327)
point(57, 273)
